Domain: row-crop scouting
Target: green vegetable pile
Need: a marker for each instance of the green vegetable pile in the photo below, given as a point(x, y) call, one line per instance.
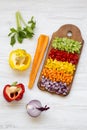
point(66, 44)
point(22, 32)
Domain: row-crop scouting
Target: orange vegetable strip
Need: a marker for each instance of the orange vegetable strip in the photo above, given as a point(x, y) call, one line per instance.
point(55, 75)
point(40, 50)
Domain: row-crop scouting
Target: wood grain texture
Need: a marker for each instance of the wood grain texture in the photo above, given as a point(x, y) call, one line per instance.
point(68, 113)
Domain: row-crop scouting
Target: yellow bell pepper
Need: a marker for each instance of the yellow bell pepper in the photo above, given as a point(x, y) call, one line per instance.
point(19, 59)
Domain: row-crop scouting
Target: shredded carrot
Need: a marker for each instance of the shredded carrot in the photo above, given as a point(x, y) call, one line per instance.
point(40, 50)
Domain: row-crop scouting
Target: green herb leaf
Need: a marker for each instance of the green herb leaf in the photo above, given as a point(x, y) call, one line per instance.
point(29, 32)
point(19, 38)
point(21, 34)
point(13, 30)
point(32, 22)
point(10, 34)
point(13, 40)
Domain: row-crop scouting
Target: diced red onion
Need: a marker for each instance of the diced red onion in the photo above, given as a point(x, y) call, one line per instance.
point(57, 87)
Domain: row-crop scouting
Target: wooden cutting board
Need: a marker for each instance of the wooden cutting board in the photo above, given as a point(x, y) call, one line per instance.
point(72, 32)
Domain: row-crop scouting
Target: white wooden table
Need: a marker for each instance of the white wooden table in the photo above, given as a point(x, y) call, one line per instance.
point(69, 113)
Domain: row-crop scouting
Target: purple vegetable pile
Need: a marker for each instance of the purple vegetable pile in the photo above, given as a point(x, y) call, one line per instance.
point(55, 87)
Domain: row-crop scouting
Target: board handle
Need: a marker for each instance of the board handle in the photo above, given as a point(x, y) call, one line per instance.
point(70, 31)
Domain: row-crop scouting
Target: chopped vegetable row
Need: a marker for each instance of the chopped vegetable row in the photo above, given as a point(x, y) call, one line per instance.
point(60, 66)
point(64, 56)
point(56, 87)
point(66, 44)
point(56, 75)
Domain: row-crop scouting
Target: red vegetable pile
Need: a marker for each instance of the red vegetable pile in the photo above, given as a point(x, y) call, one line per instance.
point(64, 56)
